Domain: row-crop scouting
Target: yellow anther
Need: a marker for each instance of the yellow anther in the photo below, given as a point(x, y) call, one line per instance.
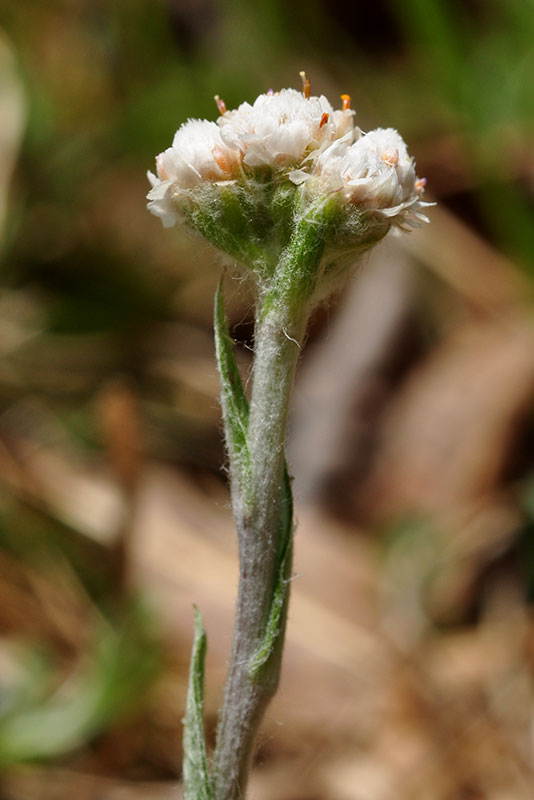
point(324, 119)
point(391, 157)
point(221, 105)
point(345, 99)
point(221, 158)
point(306, 85)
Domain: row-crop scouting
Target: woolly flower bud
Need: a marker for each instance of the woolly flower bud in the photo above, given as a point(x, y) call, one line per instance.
point(197, 155)
point(244, 181)
point(376, 174)
point(282, 128)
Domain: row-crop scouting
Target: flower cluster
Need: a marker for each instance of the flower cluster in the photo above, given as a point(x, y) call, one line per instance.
point(375, 173)
point(292, 137)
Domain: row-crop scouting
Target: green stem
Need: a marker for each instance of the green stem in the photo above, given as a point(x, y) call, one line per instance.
point(281, 321)
point(246, 697)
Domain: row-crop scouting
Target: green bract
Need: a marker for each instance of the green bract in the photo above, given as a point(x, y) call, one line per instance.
point(294, 243)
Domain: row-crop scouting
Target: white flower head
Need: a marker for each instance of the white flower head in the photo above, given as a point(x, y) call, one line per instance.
point(375, 173)
point(302, 141)
point(279, 129)
point(285, 128)
point(198, 154)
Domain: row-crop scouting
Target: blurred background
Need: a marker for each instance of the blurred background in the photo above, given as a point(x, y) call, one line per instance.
point(410, 649)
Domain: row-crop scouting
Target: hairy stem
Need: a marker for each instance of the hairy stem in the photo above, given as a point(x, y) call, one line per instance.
point(281, 318)
point(257, 516)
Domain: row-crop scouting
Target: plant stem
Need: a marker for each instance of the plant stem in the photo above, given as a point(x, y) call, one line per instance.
point(282, 312)
point(246, 697)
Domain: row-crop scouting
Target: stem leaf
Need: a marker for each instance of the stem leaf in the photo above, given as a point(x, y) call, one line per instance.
point(278, 611)
point(233, 399)
point(197, 781)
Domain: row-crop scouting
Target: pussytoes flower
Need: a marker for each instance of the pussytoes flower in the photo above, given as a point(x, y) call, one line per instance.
point(282, 128)
point(290, 188)
point(245, 181)
point(198, 155)
point(375, 173)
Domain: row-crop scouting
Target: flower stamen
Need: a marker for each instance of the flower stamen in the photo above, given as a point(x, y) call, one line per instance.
point(345, 100)
point(391, 157)
point(221, 105)
point(420, 185)
point(306, 85)
point(221, 158)
point(324, 119)
point(160, 169)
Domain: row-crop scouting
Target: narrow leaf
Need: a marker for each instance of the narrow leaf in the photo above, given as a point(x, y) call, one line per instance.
point(278, 611)
point(285, 516)
point(197, 783)
point(233, 399)
point(235, 413)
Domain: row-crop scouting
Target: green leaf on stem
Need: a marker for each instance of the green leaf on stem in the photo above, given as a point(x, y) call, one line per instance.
point(235, 413)
point(278, 611)
point(197, 781)
point(233, 399)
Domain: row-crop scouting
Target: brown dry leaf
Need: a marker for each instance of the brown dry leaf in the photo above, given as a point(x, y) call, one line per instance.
point(451, 430)
point(48, 604)
point(481, 276)
point(56, 784)
point(353, 718)
point(343, 386)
